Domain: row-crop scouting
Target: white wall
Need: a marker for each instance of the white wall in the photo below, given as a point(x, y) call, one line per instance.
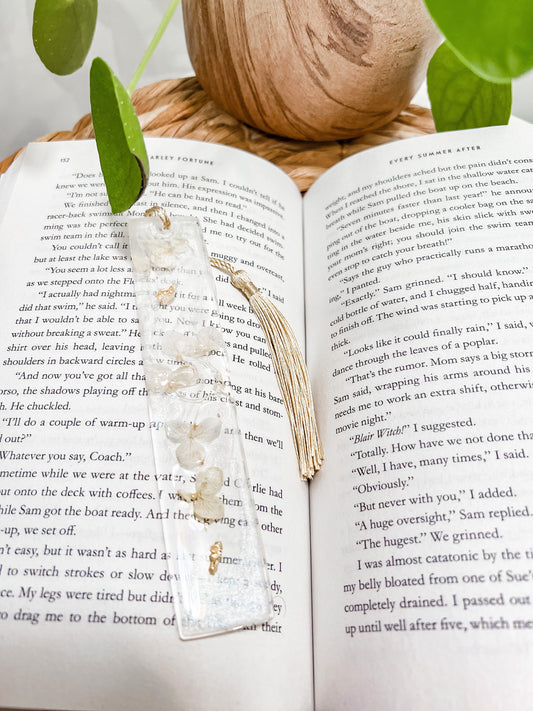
point(34, 102)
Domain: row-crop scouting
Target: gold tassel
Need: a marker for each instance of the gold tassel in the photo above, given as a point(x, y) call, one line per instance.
point(290, 370)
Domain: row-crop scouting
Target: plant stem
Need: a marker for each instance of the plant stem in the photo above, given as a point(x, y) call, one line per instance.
point(153, 44)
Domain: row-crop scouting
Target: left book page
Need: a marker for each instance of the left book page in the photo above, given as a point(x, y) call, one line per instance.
point(86, 609)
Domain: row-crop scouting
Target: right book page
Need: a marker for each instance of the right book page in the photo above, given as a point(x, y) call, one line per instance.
point(419, 283)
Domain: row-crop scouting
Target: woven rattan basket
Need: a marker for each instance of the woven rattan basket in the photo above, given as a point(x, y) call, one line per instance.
point(180, 108)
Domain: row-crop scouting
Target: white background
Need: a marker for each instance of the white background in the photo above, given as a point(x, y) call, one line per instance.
point(34, 102)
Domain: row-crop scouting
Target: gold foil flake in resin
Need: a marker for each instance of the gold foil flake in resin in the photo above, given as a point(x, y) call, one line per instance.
point(215, 556)
point(166, 296)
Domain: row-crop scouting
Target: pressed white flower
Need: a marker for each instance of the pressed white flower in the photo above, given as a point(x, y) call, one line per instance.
point(191, 438)
point(189, 346)
point(164, 255)
point(182, 377)
point(179, 345)
point(191, 454)
point(207, 506)
point(180, 245)
point(162, 378)
point(140, 260)
point(210, 339)
point(155, 376)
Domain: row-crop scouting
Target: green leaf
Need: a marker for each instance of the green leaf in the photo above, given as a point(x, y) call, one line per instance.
point(493, 37)
point(62, 32)
point(461, 99)
point(119, 138)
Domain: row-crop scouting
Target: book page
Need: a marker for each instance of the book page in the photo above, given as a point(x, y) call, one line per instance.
point(86, 611)
point(419, 289)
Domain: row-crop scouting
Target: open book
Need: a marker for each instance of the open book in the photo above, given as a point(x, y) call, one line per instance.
point(402, 575)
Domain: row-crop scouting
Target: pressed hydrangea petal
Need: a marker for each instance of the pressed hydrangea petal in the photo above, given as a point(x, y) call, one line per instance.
point(178, 430)
point(209, 481)
point(162, 256)
point(140, 260)
point(190, 454)
point(181, 377)
point(180, 346)
point(156, 377)
point(208, 510)
point(207, 430)
point(210, 339)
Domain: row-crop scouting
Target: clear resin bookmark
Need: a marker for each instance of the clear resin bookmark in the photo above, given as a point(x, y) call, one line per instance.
point(215, 556)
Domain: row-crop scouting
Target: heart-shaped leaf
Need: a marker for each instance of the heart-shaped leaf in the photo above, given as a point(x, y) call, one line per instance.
point(494, 37)
point(461, 99)
point(62, 32)
point(119, 138)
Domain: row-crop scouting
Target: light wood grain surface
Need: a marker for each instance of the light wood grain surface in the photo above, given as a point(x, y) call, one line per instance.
point(313, 70)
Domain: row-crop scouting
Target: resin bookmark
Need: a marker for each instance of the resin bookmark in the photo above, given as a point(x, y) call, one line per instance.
point(215, 555)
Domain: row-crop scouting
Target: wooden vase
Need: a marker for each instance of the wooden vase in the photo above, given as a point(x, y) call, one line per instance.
point(310, 69)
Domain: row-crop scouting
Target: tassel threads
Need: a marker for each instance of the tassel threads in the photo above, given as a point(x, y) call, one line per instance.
point(290, 370)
